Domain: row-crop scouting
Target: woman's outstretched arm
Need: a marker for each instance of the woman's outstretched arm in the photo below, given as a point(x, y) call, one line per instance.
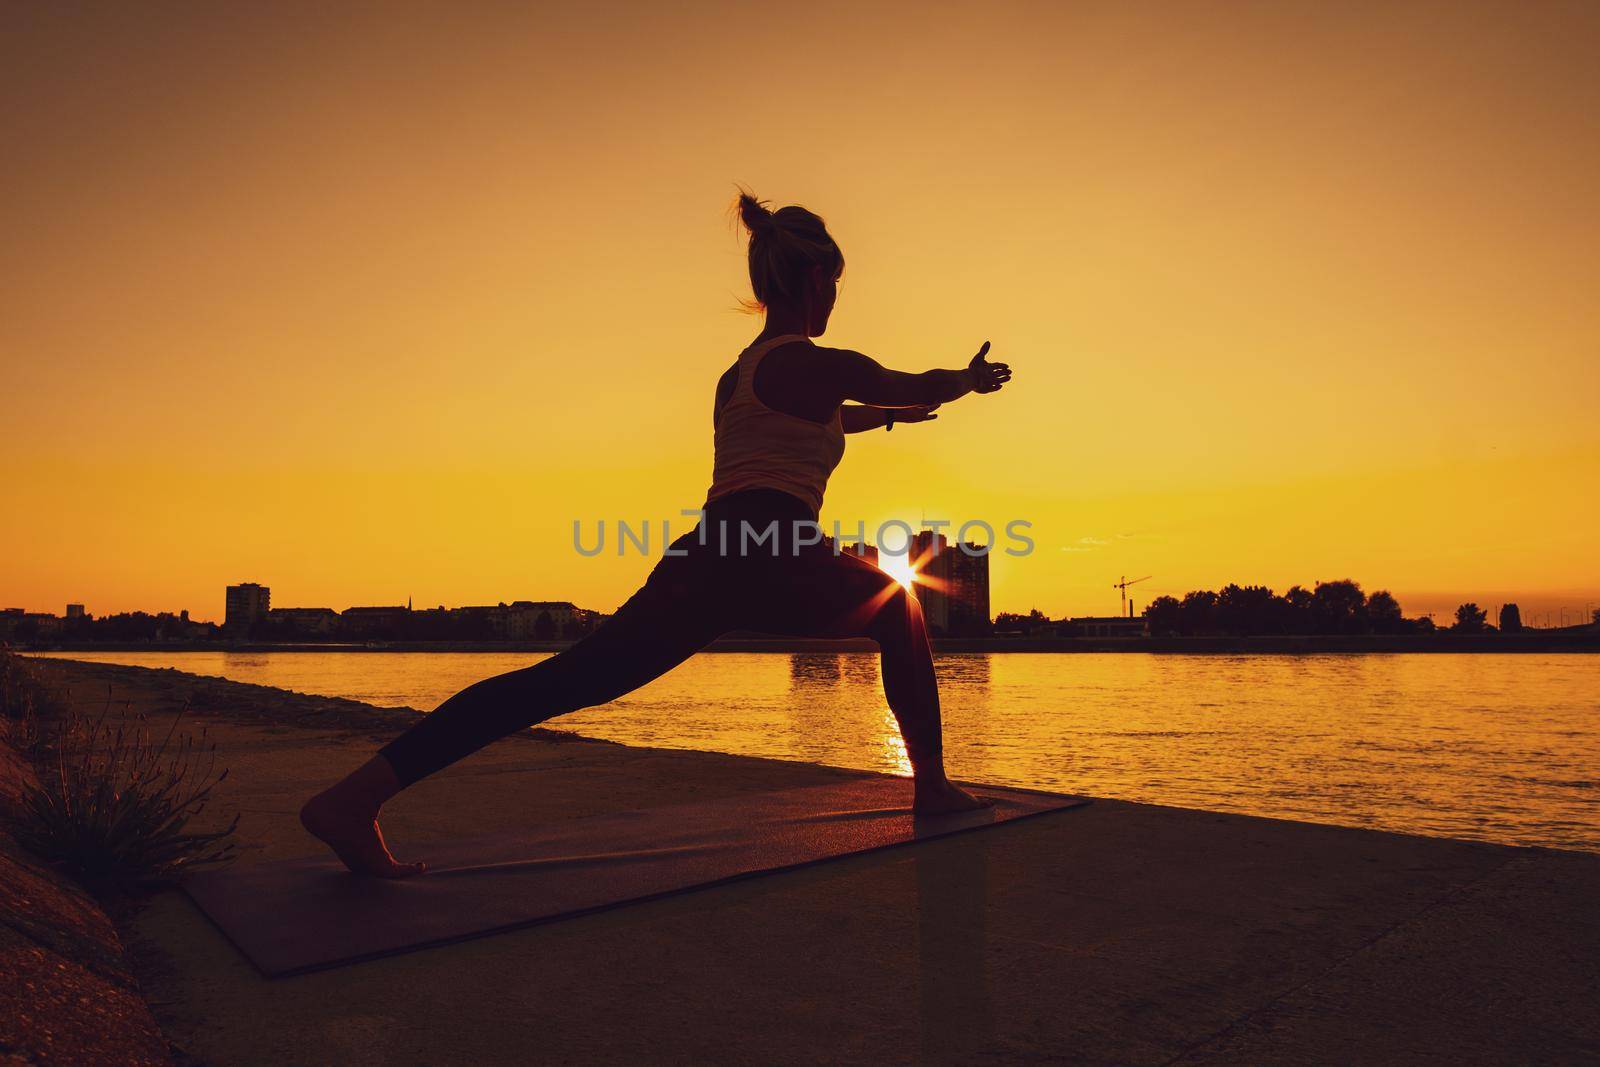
point(866, 381)
point(857, 418)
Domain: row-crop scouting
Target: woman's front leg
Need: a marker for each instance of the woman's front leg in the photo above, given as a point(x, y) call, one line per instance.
point(912, 690)
point(824, 595)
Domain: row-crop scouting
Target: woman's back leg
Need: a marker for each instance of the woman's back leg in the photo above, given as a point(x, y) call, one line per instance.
point(630, 649)
point(671, 618)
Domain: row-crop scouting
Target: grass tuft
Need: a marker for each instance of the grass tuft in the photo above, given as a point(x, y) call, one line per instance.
point(112, 808)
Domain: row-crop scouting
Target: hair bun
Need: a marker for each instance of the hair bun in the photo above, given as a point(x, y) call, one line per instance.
point(754, 214)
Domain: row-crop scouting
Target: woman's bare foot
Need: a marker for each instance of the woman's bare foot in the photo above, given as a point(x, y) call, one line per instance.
point(349, 826)
point(942, 797)
point(351, 830)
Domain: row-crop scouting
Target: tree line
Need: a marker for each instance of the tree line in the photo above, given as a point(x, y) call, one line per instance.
point(1328, 608)
point(1337, 607)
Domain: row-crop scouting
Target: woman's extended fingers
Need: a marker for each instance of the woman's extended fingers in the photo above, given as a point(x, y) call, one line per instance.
point(982, 352)
point(998, 374)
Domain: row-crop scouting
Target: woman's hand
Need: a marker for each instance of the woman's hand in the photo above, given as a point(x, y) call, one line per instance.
point(987, 377)
point(920, 413)
point(857, 418)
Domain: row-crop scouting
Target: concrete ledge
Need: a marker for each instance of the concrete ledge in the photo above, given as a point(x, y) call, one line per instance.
point(1122, 933)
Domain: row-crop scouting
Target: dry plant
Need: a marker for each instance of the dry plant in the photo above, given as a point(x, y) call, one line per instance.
point(112, 808)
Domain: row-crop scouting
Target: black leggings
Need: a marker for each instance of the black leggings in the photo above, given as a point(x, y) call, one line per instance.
point(688, 601)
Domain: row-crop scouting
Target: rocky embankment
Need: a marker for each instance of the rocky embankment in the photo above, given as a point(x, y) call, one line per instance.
point(67, 992)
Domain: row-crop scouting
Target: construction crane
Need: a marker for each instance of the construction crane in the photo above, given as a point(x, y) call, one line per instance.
point(1123, 585)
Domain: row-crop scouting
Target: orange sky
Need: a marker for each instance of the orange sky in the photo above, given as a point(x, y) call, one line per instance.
point(374, 306)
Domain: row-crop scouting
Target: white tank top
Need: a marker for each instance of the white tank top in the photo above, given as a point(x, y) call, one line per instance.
point(758, 447)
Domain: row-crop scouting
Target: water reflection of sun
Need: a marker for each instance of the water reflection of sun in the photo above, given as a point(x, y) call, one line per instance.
point(899, 568)
point(892, 754)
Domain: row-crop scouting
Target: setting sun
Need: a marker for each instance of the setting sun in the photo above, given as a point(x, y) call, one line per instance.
point(899, 568)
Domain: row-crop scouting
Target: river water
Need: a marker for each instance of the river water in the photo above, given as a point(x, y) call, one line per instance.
point(1494, 747)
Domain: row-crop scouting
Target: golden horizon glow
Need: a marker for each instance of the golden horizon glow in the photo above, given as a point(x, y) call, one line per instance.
point(372, 304)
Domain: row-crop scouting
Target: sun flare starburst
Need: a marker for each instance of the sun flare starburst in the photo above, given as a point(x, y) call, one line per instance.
point(899, 568)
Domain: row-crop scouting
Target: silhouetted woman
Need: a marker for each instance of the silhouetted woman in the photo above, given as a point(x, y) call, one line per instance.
point(781, 415)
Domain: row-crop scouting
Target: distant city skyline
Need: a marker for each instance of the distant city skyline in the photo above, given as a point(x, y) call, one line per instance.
point(1537, 612)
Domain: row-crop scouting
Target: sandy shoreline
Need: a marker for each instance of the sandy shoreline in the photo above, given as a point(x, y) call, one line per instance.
point(167, 690)
point(1120, 933)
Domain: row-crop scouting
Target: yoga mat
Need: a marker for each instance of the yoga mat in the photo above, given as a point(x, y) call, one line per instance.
point(293, 916)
